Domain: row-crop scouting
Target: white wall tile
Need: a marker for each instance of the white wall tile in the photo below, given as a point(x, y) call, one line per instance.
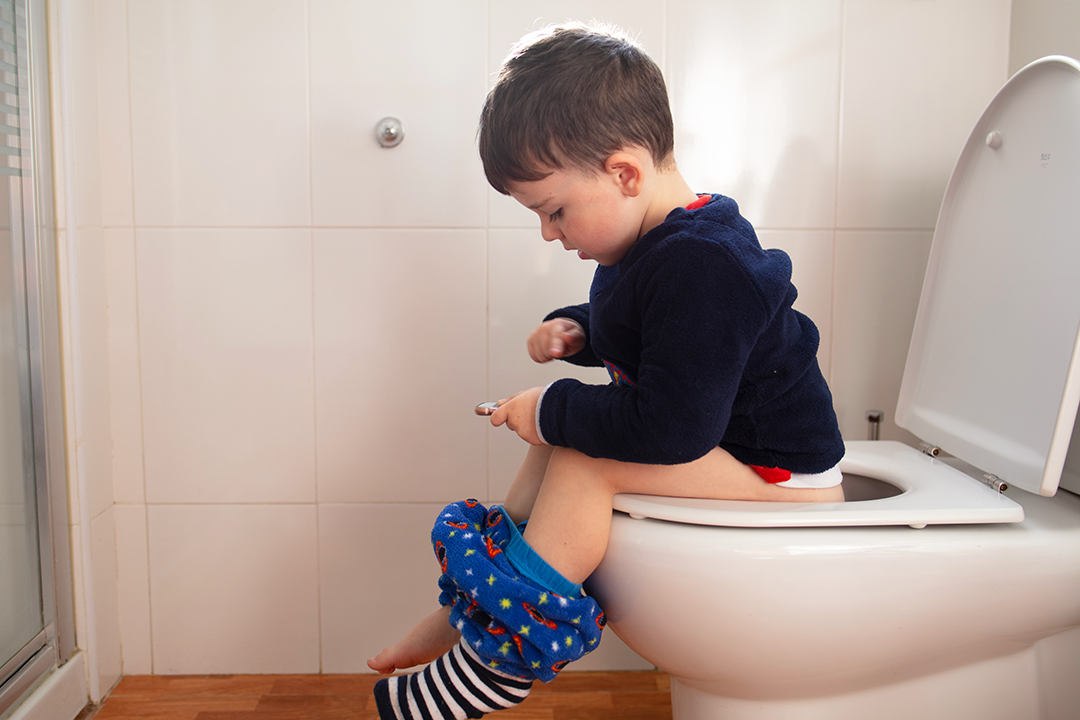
point(219, 112)
point(125, 384)
point(78, 583)
point(425, 67)
point(640, 19)
point(917, 76)
point(755, 93)
point(114, 113)
point(1038, 28)
point(400, 343)
point(234, 588)
point(528, 278)
point(81, 52)
point(811, 253)
point(506, 212)
point(227, 373)
point(878, 281)
point(106, 599)
point(94, 437)
point(379, 578)
point(133, 588)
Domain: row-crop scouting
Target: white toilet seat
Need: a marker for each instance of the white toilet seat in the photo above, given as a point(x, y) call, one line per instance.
point(932, 493)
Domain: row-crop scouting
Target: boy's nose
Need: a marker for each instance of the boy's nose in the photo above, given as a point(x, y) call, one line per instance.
point(548, 231)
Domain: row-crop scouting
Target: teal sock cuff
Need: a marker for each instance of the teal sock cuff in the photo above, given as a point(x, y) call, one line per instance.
point(531, 566)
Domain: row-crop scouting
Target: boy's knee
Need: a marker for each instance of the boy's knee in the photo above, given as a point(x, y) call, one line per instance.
point(567, 461)
point(577, 467)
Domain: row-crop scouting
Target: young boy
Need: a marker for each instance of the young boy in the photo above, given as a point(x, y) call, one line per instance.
point(716, 390)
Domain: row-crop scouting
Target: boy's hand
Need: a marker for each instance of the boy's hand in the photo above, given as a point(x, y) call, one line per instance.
point(556, 338)
point(518, 413)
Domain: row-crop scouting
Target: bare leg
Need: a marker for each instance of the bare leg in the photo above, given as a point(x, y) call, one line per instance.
point(522, 494)
point(571, 519)
point(430, 639)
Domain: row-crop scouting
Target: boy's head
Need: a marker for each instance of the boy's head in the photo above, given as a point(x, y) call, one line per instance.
point(569, 97)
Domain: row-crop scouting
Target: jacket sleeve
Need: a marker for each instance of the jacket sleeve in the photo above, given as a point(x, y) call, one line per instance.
point(701, 313)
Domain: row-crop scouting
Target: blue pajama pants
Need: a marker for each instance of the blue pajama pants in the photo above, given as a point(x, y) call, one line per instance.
point(514, 625)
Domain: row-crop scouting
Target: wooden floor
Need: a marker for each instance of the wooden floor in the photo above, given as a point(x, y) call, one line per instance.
point(572, 696)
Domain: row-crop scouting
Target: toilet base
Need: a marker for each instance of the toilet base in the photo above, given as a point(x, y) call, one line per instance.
point(1004, 688)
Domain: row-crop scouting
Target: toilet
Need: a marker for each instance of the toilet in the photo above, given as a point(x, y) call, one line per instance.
point(948, 585)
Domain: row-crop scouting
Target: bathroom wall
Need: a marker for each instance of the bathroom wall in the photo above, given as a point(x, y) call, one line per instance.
point(282, 328)
point(1043, 27)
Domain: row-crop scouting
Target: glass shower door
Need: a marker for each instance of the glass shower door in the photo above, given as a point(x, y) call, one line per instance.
point(21, 616)
point(27, 615)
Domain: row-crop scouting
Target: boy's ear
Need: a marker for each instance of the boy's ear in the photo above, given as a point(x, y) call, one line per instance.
point(626, 170)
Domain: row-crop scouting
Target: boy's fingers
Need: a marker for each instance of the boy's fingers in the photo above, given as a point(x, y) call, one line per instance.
point(572, 339)
point(501, 414)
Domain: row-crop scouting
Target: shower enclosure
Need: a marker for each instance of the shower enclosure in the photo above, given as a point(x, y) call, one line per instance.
point(36, 623)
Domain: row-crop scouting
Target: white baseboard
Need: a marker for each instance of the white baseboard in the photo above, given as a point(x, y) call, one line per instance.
point(62, 695)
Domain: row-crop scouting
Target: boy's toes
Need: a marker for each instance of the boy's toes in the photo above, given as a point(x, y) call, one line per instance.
point(381, 664)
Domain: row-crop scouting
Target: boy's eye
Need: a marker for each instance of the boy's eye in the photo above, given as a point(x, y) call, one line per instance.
point(555, 215)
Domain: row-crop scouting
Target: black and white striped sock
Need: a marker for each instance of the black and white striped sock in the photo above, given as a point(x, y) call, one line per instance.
point(458, 685)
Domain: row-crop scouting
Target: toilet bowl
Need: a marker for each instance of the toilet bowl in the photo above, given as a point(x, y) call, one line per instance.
point(948, 584)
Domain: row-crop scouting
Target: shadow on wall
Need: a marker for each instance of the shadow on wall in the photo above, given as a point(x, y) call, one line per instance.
point(787, 194)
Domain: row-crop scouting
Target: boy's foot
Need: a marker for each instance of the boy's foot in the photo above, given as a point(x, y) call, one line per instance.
point(432, 638)
point(456, 685)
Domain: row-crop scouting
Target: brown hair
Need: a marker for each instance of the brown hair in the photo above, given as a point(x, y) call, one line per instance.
point(571, 96)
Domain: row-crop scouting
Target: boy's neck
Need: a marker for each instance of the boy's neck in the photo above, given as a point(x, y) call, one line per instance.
point(670, 191)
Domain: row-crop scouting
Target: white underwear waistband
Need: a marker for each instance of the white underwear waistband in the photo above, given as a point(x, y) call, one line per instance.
point(830, 478)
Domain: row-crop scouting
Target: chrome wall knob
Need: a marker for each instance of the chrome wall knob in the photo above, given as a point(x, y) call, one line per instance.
point(389, 132)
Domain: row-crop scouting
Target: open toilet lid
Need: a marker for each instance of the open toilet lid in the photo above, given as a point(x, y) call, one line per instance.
point(993, 370)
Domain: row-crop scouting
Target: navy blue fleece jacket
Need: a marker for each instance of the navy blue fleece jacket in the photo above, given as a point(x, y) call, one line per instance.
point(696, 328)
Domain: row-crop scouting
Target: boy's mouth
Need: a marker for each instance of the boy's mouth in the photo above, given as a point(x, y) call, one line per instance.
point(580, 253)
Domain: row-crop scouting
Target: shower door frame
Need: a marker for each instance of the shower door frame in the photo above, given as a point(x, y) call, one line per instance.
point(56, 642)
